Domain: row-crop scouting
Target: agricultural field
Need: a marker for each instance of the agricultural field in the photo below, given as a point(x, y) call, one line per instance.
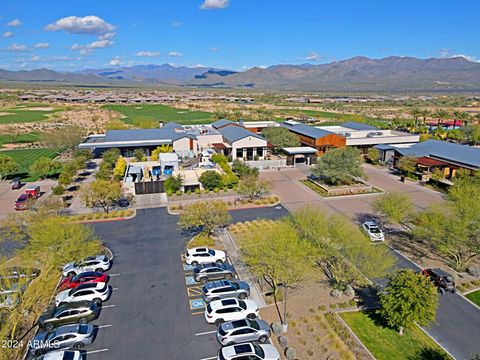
point(386, 344)
point(27, 113)
point(148, 115)
point(27, 157)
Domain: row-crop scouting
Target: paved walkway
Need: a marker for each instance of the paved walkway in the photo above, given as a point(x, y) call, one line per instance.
point(77, 206)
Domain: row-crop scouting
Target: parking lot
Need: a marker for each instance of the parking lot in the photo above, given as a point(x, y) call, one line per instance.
point(156, 311)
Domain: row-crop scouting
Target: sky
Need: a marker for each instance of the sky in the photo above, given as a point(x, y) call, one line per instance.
point(70, 35)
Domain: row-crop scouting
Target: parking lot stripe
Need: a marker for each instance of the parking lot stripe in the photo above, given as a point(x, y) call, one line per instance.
point(198, 313)
point(107, 306)
point(104, 326)
point(206, 333)
point(194, 291)
point(209, 358)
point(113, 275)
point(114, 289)
point(96, 351)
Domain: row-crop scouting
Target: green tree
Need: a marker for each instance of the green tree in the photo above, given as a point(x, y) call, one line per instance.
point(219, 159)
point(373, 155)
point(339, 166)
point(44, 166)
point(8, 166)
point(102, 193)
point(173, 184)
point(207, 215)
point(441, 115)
point(139, 155)
point(210, 180)
point(472, 133)
point(160, 150)
point(408, 299)
point(254, 187)
point(67, 137)
point(242, 169)
point(395, 208)
point(64, 179)
point(229, 180)
point(278, 256)
point(407, 164)
point(280, 138)
point(110, 156)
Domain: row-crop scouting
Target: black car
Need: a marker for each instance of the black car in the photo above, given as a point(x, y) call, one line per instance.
point(213, 271)
point(442, 279)
point(16, 183)
point(71, 313)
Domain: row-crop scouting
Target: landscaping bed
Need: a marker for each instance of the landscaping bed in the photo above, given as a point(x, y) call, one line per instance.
point(232, 204)
point(112, 215)
point(386, 344)
point(344, 191)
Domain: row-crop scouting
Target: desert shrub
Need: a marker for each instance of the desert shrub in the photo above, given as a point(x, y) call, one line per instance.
point(349, 291)
point(179, 192)
point(290, 353)
point(201, 240)
point(322, 307)
point(277, 328)
point(283, 341)
point(335, 293)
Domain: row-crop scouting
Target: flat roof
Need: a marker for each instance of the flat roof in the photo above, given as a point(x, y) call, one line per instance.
point(306, 130)
point(300, 150)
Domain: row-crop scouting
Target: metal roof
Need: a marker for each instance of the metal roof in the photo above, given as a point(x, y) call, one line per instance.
point(358, 126)
point(144, 135)
point(306, 130)
point(221, 123)
point(235, 133)
point(172, 125)
point(443, 150)
point(299, 150)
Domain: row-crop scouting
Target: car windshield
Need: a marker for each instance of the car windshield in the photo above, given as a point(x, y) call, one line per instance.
point(221, 331)
point(254, 325)
point(235, 286)
point(449, 279)
point(242, 304)
point(375, 230)
point(211, 252)
point(83, 329)
point(51, 335)
point(259, 351)
point(68, 355)
point(209, 309)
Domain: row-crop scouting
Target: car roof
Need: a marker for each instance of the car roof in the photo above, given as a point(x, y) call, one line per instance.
point(371, 223)
point(76, 305)
point(89, 273)
point(198, 249)
point(217, 284)
point(23, 197)
point(440, 272)
point(235, 324)
point(59, 355)
point(95, 257)
point(224, 303)
point(98, 285)
point(67, 329)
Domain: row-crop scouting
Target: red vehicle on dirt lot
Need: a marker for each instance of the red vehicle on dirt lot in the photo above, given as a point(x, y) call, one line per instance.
point(33, 190)
point(23, 202)
point(84, 278)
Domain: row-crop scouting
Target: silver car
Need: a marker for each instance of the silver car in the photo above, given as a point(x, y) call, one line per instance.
point(99, 263)
point(239, 331)
point(223, 289)
point(63, 337)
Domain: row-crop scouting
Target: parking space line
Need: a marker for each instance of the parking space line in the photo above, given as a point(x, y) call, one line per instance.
point(113, 275)
point(209, 358)
point(198, 313)
point(96, 351)
point(104, 326)
point(107, 306)
point(114, 289)
point(206, 333)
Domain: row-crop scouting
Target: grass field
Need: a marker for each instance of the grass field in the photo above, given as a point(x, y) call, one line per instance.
point(474, 297)
point(334, 117)
point(386, 344)
point(147, 115)
point(24, 113)
point(21, 139)
point(27, 157)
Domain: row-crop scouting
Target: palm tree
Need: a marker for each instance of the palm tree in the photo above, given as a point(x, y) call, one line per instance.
point(424, 114)
point(441, 116)
point(464, 117)
point(415, 113)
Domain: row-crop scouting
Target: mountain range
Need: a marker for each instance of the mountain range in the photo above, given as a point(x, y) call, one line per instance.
point(356, 74)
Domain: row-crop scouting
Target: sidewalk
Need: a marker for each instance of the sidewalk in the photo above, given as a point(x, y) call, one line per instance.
point(77, 206)
point(242, 270)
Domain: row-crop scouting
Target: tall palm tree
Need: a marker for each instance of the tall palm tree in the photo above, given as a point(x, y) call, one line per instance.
point(464, 117)
point(424, 113)
point(441, 116)
point(415, 113)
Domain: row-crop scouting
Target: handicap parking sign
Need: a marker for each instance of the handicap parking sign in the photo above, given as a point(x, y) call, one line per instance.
point(189, 280)
point(197, 304)
point(187, 267)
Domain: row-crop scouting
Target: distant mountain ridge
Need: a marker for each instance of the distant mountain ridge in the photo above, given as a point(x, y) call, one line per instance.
point(393, 73)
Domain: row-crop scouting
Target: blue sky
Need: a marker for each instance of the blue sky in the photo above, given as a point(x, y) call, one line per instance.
point(234, 34)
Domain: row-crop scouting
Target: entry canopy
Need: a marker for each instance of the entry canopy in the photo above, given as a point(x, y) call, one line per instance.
point(301, 150)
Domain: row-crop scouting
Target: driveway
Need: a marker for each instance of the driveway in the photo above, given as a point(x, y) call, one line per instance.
point(149, 316)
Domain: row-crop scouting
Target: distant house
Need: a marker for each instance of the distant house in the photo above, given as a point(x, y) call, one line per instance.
point(434, 154)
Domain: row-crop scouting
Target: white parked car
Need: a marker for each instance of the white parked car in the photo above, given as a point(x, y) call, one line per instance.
point(96, 292)
point(373, 231)
point(219, 311)
point(61, 355)
point(250, 351)
point(203, 255)
point(99, 263)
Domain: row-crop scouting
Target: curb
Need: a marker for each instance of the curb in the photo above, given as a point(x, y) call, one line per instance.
point(234, 209)
point(352, 333)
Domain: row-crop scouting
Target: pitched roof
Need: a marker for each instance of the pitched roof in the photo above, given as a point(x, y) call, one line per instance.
point(235, 133)
point(306, 130)
point(358, 126)
point(221, 123)
point(443, 150)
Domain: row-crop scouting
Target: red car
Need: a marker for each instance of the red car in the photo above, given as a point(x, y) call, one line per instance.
point(23, 202)
point(84, 278)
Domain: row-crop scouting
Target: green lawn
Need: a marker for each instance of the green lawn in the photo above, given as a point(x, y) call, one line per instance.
point(474, 297)
point(24, 113)
point(148, 115)
point(335, 117)
point(27, 157)
point(386, 344)
point(21, 139)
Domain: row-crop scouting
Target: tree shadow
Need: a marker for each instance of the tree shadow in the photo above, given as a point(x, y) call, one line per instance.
point(429, 353)
point(362, 217)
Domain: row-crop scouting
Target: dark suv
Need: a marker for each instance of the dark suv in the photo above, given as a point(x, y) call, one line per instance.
point(71, 313)
point(213, 271)
point(443, 280)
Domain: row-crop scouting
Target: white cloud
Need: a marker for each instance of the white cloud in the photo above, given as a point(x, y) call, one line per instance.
point(89, 48)
point(312, 56)
point(35, 58)
point(115, 61)
point(14, 23)
point(148, 53)
point(447, 54)
point(17, 48)
point(467, 57)
point(214, 4)
point(7, 34)
point(175, 54)
point(41, 45)
point(88, 25)
point(214, 49)
point(177, 23)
